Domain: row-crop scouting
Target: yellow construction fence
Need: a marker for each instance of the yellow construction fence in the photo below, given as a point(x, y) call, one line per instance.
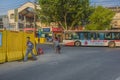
point(13, 45)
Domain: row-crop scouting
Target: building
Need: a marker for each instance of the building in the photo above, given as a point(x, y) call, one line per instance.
point(23, 17)
point(4, 22)
point(116, 19)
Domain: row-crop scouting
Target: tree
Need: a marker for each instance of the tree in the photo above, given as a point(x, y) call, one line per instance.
point(100, 19)
point(66, 13)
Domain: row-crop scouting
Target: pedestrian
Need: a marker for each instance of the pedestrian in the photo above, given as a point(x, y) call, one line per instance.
point(29, 49)
point(57, 45)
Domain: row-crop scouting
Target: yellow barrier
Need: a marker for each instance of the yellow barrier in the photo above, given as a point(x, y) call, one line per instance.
point(36, 40)
point(42, 40)
point(32, 38)
point(2, 46)
point(14, 45)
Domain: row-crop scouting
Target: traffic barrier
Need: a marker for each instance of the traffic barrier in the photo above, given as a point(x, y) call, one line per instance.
point(2, 46)
point(14, 45)
point(37, 40)
point(32, 38)
point(42, 40)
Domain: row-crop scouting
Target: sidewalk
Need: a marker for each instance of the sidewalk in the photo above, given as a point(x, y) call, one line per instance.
point(20, 65)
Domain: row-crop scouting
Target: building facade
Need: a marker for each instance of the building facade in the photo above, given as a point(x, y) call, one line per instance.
point(4, 23)
point(116, 19)
point(23, 17)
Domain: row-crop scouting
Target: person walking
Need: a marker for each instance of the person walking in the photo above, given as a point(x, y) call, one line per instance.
point(57, 45)
point(29, 49)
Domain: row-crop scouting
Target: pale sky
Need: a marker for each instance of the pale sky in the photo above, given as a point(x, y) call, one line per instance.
point(6, 5)
point(106, 2)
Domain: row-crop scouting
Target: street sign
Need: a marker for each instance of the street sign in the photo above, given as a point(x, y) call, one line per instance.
point(46, 29)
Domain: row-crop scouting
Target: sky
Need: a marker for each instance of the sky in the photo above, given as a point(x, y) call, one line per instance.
point(105, 2)
point(6, 5)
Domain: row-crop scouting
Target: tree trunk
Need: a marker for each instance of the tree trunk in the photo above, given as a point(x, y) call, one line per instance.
point(65, 21)
point(72, 25)
point(61, 25)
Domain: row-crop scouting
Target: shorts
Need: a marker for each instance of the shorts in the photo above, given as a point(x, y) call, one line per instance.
point(58, 47)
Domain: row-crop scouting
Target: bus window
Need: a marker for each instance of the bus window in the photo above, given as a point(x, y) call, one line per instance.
point(101, 36)
point(115, 35)
point(68, 36)
point(108, 36)
point(89, 36)
point(75, 36)
point(86, 36)
point(83, 35)
point(93, 36)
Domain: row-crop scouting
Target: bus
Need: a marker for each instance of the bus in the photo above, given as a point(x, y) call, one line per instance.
point(110, 38)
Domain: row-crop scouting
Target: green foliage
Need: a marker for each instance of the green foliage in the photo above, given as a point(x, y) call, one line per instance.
point(67, 13)
point(100, 19)
point(71, 13)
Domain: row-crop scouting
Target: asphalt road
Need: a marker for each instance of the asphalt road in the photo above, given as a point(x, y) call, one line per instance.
point(74, 63)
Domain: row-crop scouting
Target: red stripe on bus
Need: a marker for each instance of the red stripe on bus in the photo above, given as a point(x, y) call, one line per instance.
point(69, 44)
point(116, 40)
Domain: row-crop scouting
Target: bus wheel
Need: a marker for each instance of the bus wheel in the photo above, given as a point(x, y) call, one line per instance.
point(77, 43)
point(111, 44)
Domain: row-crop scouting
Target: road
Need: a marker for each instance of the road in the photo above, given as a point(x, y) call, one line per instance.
point(74, 63)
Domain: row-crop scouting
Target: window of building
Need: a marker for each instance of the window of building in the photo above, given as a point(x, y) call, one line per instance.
point(1, 22)
point(0, 19)
point(21, 26)
point(12, 16)
point(1, 26)
point(21, 17)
